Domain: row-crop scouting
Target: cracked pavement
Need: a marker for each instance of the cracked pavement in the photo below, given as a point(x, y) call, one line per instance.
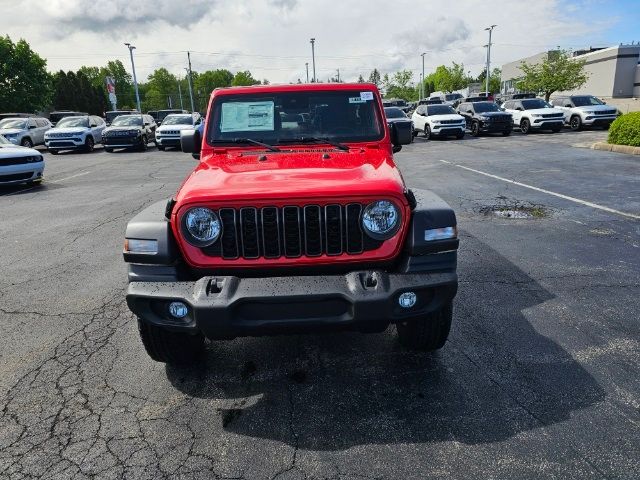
point(540, 378)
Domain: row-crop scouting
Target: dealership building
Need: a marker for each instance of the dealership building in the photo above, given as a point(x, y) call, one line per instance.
point(613, 72)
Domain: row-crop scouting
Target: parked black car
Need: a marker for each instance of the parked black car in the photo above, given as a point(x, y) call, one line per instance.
point(112, 114)
point(129, 131)
point(485, 117)
point(55, 117)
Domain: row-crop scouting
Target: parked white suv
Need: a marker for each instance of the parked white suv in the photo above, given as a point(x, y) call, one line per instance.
point(438, 121)
point(19, 164)
point(585, 111)
point(26, 132)
point(168, 133)
point(534, 113)
point(75, 133)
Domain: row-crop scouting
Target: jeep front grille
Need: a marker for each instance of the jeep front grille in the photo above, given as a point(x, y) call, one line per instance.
point(291, 231)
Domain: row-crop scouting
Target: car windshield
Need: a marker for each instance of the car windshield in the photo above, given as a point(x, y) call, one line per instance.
point(13, 123)
point(178, 120)
point(111, 115)
point(586, 101)
point(344, 115)
point(534, 103)
point(73, 122)
point(452, 96)
point(127, 121)
point(399, 103)
point(55, 117)
point(163, 113)
point(394, 112)
point(440, 110)
point(483, 107)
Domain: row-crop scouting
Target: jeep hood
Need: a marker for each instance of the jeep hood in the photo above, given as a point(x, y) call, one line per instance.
point(239, 176)
point(67, 129)
point(11, 131)
point(170, 128)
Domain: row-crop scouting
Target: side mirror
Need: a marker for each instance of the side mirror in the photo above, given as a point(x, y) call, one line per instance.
point(401, 134)
point(191, 142)
point(31, 127)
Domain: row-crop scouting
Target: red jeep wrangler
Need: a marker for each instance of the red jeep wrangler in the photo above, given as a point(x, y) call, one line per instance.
point(296, 219)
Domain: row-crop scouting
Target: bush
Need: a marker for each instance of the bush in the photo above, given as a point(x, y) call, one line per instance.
point(625, 130)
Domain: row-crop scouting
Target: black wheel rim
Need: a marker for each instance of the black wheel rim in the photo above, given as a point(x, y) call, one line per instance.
point(474, 128)
point(525, 127)
point(575, 123)
point(427, 132)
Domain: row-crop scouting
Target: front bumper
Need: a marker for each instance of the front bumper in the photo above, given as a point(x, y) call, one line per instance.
point(498, 127)
point(121, 142)
point(595, 121)
point(165, 141)
point(547, 124)
point(447, 130)
point(70, 143)
point(228, 307)
point(24, 172)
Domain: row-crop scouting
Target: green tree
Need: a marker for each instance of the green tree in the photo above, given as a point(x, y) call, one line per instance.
point(360, 79)
point(374, 77)
point(448, 79)
point(400, 85)
point(244, 78)
point(160, 87)
point(494, 79)
point(211, 79)
point(25, 84)
point(558, 72)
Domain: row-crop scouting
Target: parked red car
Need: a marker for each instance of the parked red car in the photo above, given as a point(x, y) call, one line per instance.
point(296, 219)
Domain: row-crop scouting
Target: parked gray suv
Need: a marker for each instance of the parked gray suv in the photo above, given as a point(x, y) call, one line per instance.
point(26, 132)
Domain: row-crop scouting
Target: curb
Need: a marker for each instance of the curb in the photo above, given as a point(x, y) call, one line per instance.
point(608, 147)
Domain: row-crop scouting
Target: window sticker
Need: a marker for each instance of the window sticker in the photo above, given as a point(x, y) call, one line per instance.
point(366, 96)
point(356, 100)
point(247, 117)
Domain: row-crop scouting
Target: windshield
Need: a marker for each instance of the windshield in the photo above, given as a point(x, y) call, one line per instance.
point(127, 121)
point(534, 103)
point(343, 115)
point(114, 114)
point(13, 123)
point(482, 107)
point(586, 101)
point(452, 96)
point(55, 117)
point(178, 120)
point(73, 122)
point(394, 112)
point(163, 113)
point(440, 110)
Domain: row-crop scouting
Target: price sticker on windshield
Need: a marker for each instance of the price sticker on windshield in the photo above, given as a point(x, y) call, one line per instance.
point(355, 100)
point(364, 96)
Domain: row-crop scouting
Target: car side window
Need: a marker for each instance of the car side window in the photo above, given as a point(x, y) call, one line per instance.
point(32, 123)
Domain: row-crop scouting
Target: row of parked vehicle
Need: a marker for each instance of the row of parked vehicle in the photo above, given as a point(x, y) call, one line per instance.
point(82, 132)
point(478, 115)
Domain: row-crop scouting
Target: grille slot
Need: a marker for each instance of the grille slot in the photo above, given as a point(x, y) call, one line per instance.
point(291, 231)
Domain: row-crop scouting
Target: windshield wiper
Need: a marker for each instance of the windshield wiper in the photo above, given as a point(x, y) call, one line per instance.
point(338, 145)
point(249, 140)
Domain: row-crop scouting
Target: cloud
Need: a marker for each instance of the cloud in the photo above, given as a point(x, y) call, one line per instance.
point(284, 4)
point(115, 17)
point(438, 34)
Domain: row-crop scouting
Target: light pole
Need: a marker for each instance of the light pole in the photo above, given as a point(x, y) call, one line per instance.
point(180, 94)
point(490, 30)
point(307, 67)
point(338, 75)
point(193, 108)
point(135, 80)
point(313, 58)
point(422, 82)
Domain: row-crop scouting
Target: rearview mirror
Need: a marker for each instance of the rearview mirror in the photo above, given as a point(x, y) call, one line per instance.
point(401, 134)
point(191, 142)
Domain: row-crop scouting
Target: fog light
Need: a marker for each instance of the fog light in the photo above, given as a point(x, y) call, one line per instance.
point(407, 299)
point(178, 309)
point(135, 245)
point(440, 233)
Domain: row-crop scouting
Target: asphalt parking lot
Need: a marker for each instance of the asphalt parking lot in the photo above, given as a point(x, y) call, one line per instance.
point(540, 378)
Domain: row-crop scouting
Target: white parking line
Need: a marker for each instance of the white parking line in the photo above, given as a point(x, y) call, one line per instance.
point(72, 176)
point(548, 192)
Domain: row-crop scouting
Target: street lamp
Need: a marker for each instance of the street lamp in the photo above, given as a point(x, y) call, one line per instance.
point(306, 65)
point(313, 58)
point(135, 80)
point(490, 30)
point(422, 82)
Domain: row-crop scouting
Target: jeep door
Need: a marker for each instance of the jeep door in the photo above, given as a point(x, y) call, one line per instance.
point(466, 110)
point(42, 125)
point(97, 126)
point(516, 109)
point(419, 118)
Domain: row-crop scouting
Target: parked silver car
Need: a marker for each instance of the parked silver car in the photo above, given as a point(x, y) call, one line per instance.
point(26, 132)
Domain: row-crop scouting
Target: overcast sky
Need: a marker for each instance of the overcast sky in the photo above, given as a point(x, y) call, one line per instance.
point(271, 37)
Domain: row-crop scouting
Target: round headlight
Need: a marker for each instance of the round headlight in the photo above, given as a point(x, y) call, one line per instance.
point(201, 226)
point(381, 219)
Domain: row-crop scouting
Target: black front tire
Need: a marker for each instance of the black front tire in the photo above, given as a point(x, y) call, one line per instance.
point(429, 333)
point(89, 144)
point(143, 143)
point(475, 129)
point(525, 126)
point(165, 346)
point(575, 123)
point(427, 132)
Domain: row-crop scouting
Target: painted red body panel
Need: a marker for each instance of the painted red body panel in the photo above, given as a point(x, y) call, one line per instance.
point(299, 175)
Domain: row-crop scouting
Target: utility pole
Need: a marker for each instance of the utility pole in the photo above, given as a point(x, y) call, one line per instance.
point(338, 75)
point(307, 67)
point(490, 30)
point(180, 95)
point(135, 80)
point(313, 58)
point(422, 82)
point(193, 108)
